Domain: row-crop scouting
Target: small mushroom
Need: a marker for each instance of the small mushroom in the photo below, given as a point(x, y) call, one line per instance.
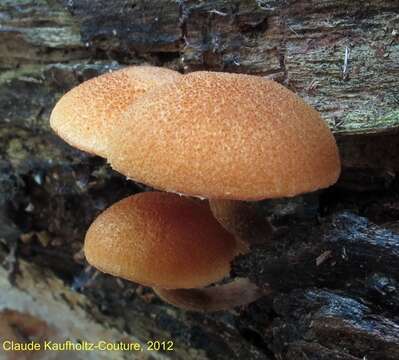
point(84, 115)
point(229, 137)
point(169, 242)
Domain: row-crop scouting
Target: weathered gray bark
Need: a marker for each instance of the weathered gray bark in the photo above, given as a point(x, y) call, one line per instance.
point(335, 275)
point(39, 307)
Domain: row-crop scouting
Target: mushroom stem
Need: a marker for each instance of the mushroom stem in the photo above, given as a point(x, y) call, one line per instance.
point(221, 297)
point(242, 220)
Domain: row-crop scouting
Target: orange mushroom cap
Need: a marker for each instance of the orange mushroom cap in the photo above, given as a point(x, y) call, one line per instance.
point(84, 116)
point(230, 136)
point(161, 239)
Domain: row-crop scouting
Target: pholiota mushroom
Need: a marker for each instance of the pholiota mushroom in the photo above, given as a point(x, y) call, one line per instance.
point(84, 115)
point(172, 244)
point(225, 137)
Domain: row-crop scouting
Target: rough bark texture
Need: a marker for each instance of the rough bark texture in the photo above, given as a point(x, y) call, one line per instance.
point(333, 265)
point(38, 306)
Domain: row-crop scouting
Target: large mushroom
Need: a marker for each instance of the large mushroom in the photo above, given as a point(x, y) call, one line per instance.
point(170, 243)
point(226, 137)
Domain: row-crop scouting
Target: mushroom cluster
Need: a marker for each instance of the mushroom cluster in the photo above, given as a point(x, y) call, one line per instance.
point(228, 138)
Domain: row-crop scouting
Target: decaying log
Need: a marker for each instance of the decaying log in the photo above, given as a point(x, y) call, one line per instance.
point(39, 307)
point(340, 289)
point(344, 250)
point(320, 324)
point(333, 53)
